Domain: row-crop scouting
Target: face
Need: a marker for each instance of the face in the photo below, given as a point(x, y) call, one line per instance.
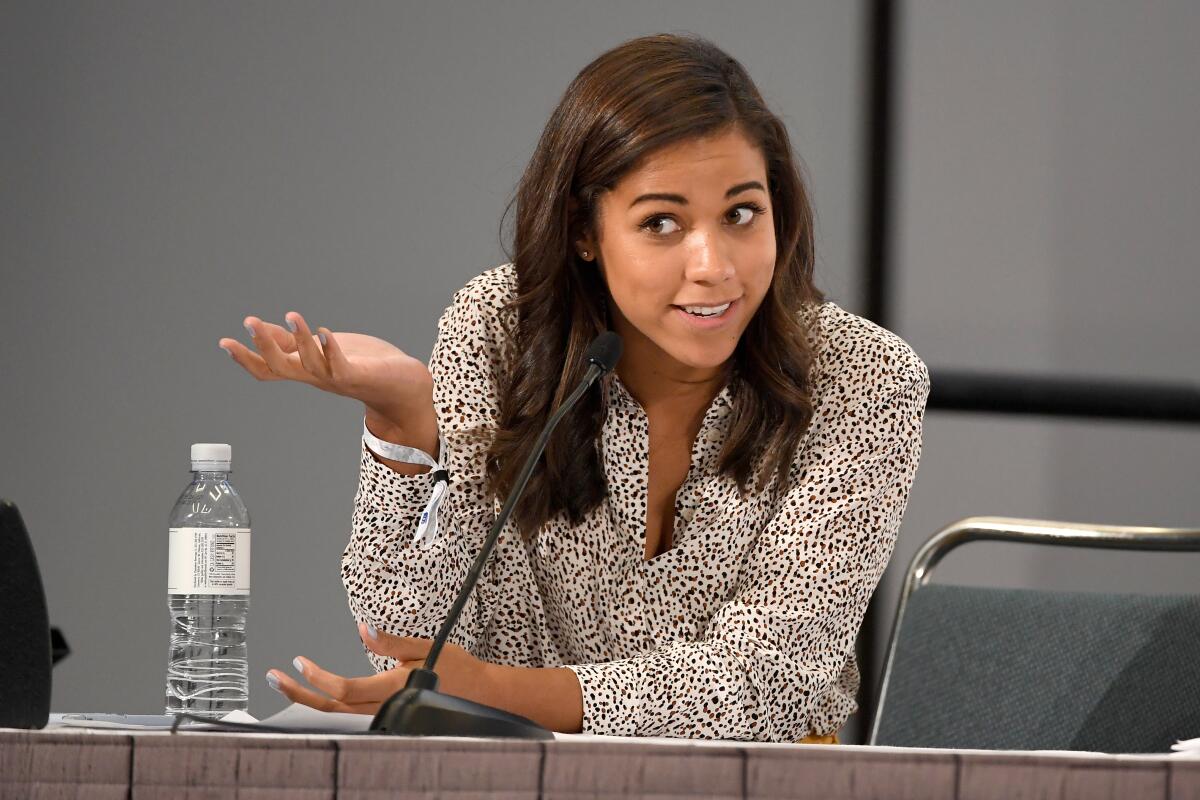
point(687, 249)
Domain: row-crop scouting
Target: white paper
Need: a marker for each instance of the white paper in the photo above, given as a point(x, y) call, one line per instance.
point(1187, 745)
point(297, 717)
point(141, 722)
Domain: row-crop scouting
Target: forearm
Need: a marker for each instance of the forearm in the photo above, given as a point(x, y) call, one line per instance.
point(549, 696)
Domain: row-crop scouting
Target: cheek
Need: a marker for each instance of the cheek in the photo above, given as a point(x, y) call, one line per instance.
point(637, 285)
point(761, 269)
point(769, 246)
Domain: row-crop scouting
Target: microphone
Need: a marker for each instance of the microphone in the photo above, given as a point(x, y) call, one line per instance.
point(419, 709)
point(604, 352)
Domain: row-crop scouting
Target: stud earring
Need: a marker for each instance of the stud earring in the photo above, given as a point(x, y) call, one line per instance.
point(584, 254)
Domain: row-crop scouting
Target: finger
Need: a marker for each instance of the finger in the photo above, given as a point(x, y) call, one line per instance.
point(353, 691)
point(282, 363)
point(248, 360)
point(401, 648)
point(293, 690)
point(277, 334)
point(339, 366)
point(310, 355)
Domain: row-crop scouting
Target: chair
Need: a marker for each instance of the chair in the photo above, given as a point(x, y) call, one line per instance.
point(984, 668)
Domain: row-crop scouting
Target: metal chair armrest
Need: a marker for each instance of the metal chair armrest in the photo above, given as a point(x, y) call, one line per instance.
point(1037, 531)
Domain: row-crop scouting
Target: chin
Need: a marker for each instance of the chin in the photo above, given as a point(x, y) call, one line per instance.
point(704, 356)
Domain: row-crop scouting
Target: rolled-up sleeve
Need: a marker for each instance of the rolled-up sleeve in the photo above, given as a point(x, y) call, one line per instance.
point(391, 581)
point(770, 664)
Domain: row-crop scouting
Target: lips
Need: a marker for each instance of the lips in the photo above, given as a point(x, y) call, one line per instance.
point(710, 315)
point(711, 307)
point(707, 310)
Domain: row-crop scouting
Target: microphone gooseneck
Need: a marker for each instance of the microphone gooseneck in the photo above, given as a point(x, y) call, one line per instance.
point(419, 709)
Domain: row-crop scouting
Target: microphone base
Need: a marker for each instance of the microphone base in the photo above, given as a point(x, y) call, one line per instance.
point(416, 711)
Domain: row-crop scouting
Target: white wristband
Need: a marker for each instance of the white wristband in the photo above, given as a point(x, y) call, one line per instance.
point(427, 525)
point(398, 452)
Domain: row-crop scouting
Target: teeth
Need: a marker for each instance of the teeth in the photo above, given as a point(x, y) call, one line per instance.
point(706, 311)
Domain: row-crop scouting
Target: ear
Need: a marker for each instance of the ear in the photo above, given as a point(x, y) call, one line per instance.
point(581, 237)
point(585, 249)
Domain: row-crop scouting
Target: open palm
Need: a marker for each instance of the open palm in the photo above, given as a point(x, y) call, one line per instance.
point(379, 374)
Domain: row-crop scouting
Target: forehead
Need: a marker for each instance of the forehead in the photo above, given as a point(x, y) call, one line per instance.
point(721, 160)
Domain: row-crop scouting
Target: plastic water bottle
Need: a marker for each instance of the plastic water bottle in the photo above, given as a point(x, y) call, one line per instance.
point(208, 591)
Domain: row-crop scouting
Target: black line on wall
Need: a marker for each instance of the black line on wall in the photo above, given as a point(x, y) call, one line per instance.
point(879, 131)
point(879, 137)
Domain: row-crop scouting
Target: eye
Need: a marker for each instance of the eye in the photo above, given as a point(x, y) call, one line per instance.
point(745, 213)
point(655, 225)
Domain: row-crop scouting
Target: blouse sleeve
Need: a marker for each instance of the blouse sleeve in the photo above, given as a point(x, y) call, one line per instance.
point(393, 583)
point(761, 667)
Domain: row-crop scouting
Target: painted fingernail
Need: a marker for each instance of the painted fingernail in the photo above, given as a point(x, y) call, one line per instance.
point(250, 330)
point(323, 338)
point(228, 352)
point(374, 634)
point(298, 664)
point(272, 681)
point(291, 325)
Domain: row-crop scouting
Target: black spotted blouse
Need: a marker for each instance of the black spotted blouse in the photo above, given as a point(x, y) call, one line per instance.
point(744, 629)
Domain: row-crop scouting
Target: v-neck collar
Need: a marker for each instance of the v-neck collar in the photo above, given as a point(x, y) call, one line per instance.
point(625, 452)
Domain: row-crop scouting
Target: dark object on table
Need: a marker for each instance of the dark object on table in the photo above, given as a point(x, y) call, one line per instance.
point(25, 658)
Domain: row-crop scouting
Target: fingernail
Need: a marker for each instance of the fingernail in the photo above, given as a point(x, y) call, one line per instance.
point(321, 336)
point(291, 325)
point(250, 330)
point(228, 352)
point(272, 681)
point(374, 634)
point(299, 665)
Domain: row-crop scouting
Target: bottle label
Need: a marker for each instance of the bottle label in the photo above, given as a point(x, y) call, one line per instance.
point(209, 561)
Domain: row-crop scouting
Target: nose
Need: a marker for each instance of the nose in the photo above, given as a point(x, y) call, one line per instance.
point(707, 261)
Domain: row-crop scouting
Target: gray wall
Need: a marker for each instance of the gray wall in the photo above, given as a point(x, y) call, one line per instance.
point(167, 169)
point(1047, 223)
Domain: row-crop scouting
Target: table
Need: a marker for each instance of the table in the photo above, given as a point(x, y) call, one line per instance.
point(196, 766)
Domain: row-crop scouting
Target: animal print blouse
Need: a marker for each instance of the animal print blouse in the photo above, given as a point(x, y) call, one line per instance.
point(744, 629)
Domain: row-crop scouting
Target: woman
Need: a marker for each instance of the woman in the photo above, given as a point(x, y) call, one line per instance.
point(694, 555)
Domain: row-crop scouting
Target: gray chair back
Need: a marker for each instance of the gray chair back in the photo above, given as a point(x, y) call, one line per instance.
point(985, 668)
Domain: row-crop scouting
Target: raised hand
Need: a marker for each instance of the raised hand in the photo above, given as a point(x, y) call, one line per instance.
point(388, 381)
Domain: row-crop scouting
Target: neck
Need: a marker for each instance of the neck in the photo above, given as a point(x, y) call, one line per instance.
point(659, 383)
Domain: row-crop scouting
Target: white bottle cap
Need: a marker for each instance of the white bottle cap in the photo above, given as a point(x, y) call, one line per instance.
point(213, 457)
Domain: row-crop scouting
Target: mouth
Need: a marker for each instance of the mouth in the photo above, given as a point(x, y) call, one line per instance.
point(707, 316)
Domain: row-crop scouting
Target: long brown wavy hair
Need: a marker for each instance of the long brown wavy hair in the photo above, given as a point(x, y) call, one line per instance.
point(638, 97)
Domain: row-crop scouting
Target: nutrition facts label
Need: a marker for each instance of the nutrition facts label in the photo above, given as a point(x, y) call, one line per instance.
point(209, 561)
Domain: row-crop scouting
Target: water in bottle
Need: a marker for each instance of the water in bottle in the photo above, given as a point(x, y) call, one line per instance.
point(208, 591)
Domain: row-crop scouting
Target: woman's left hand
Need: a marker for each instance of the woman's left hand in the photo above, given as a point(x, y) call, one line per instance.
point(459, 674)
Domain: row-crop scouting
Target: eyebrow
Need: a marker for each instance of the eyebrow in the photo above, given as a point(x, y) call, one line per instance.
point(678, 198)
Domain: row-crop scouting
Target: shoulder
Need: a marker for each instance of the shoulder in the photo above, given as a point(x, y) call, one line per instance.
point(479, 324)
point(869, 390)
point(493, 290)
point(483, 307)
point(856, 360)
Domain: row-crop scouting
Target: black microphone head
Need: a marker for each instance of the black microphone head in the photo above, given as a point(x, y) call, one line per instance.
point(605, 351)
